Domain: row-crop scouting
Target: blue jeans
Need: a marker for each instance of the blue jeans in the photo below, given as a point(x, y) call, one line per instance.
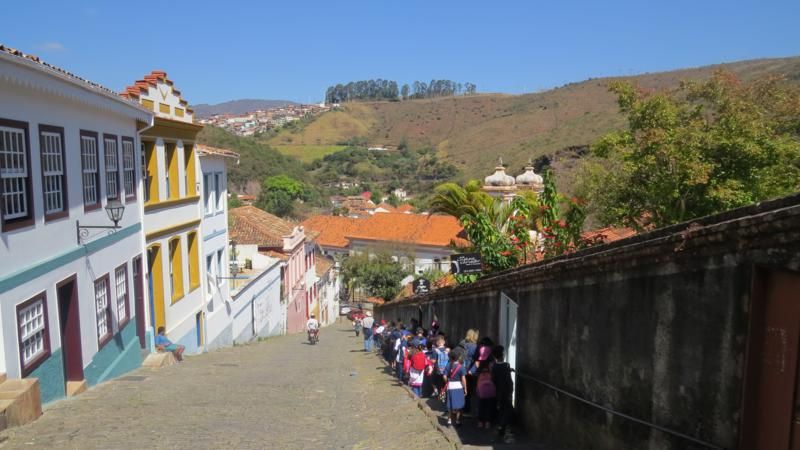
point(417, 390)
point(368, 344)
point(399, 370)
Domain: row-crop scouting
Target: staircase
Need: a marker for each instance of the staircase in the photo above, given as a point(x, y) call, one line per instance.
point(20, 401)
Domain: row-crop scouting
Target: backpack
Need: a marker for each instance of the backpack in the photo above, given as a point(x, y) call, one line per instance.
point(441, 361)
point(418, 361)
point(486, 387)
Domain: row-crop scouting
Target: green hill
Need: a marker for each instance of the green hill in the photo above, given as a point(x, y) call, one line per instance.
point(472, 132)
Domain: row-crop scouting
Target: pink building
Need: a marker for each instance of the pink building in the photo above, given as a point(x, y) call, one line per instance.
point(257, 232)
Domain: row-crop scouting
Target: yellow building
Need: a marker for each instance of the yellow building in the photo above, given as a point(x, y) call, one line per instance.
point(172, 213)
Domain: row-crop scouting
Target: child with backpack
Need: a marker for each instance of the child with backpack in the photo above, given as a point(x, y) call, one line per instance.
point(417, 367)
point(456, 386)
point(440, 367)
point(487, 393)
point(504, 384)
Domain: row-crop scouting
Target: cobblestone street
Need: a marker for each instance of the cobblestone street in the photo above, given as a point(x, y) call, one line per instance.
point(279, 393)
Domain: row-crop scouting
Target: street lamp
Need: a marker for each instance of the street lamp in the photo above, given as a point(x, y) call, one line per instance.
point(114, 209)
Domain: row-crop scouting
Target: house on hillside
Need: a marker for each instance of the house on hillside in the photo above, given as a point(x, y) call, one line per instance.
point(421, 242)
point(257, 234)
point(172, 213)
point(71, 289)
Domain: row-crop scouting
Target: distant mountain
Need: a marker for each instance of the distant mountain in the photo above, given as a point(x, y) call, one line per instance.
point(238, 106)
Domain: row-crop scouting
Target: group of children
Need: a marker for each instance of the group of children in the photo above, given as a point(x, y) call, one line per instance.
point(471, 373)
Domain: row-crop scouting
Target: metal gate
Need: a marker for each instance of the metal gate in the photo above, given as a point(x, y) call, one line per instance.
point(508, 332)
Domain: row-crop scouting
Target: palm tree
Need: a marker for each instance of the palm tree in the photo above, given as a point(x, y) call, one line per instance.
point(457, 201)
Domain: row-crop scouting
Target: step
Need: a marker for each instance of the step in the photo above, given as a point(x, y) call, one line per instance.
point(159, 360)
point(20, 401)
point(76, 387)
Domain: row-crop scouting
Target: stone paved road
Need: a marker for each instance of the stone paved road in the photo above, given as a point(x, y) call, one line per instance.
point(279, 393)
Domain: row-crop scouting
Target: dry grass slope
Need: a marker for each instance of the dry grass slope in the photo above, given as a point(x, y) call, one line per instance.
point(473, 131)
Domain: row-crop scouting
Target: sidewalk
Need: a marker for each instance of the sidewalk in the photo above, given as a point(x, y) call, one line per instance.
point(468, 435)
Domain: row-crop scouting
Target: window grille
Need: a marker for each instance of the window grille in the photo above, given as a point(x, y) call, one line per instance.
point(112, 168)
point(128, 168)
point(90, 170)
point(121, 279)
point(52, 154)
point(32, 329)
point(14, 173)
point(101, 303)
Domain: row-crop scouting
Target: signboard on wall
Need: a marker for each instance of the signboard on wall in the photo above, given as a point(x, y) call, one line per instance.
point(421, 286)
point(465, 263)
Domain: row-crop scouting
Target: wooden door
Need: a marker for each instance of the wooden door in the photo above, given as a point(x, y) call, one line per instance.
point(70, 322)
point(770, 412)
point(138, 296)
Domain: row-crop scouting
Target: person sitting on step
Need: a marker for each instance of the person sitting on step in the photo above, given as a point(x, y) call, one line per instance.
point(165, 345)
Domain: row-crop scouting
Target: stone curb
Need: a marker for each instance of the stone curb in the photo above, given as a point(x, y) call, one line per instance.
point(432, 415)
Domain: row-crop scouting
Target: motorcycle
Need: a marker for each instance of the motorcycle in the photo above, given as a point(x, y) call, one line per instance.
point(313, 336)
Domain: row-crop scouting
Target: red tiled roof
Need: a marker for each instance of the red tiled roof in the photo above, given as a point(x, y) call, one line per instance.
point(59, 71)
point(141, 87)
point(608, 234)
point(276, 255)
point(434, 230)
point(332, 229)
point(208, 150)
point(252, 226)
point(322, 264)
point(404, 208)
point(387, 207)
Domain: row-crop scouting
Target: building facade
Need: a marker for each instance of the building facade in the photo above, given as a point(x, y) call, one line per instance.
point(214, 226)
point(258, 233)
point(172, 214)
point(71, 298)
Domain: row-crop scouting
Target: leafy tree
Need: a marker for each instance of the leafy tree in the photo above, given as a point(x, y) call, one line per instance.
point(233, 201)
point(704, 148)
point(278, 194)
point(560, 225)
point(404, 91)
point(393, 200)
point(278, 202)
point(458, 201)
point(295, 189)
point(377, 276)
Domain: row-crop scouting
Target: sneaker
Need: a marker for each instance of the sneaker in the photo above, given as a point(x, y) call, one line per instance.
point(449, 421)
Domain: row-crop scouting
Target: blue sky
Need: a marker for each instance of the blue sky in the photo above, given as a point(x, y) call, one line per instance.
point(217, 51)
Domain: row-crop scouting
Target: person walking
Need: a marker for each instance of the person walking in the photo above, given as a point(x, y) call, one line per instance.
point(367, 323)
point(456, 379)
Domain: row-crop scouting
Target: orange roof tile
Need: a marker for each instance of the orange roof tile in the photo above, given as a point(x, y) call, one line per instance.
point(252, 226)
point(332, 229)
point(608, 234)
point(322, 264)
point(439, 231)
point(435, 230)
point(208, 150)
point(46, 67)
point(404, 208)
point(141, 86)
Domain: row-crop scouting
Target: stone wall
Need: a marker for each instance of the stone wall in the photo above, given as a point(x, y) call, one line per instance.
point(654, 327)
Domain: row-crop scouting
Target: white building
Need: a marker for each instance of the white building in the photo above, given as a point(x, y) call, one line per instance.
point(172, 208)
point(214, 229)
point(71, 299)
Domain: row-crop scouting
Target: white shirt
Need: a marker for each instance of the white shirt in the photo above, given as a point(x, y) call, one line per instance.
point(312, 324)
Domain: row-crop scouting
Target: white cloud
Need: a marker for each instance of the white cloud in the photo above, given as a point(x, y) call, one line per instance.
point(52, 46)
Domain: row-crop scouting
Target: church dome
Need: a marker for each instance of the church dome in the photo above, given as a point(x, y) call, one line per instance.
point(529, 177)
point(499, 178)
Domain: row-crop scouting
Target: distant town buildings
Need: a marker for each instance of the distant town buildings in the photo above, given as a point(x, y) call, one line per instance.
point(261, 121)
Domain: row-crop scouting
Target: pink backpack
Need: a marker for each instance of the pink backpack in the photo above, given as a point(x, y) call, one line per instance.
point(486, 388)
